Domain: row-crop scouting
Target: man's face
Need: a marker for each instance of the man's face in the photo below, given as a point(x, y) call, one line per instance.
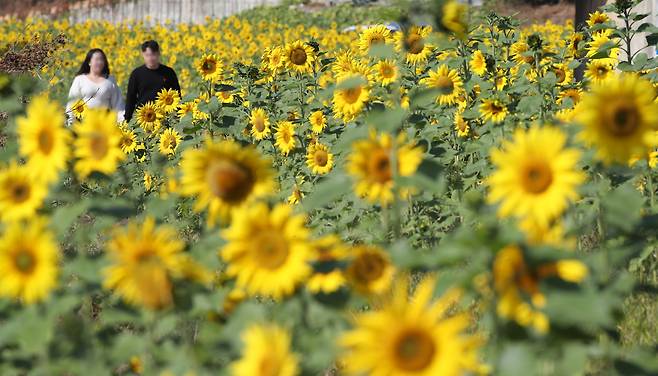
point(151, 58)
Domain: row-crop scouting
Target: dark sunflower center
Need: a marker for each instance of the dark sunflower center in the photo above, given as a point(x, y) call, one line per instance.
point(625, 120)
point(445, 85)
point(369, 267)
point(209, 66)
point(147, 256)
point(537, 177)
point(170, 142)
point(230, 180)
point(414, 350)
point(20, 192)
point(298, 56)
point(387, 71)
point(351, 95)
point(149, 116)
point(496, 108)
point(321, 158)
point(126, 141)
point(415, 44)
point(25, 262)
point(272, 250)
point(380, 167)
point(561, 75)
point(46, 141)
point(98, 145)
point(259, 124)
point(377, 39)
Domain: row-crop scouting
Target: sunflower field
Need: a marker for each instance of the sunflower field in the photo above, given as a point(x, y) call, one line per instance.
point(443, 197)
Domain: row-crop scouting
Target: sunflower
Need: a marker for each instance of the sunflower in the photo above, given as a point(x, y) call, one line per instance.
point(260, 124)
point(145, 258)
point(299, 57)
point(168, 100)
point(148, 181)
point(225, 96)
point(478, 63)
point(536, 175)
point(267, 251)
point(370, 270)
point(350, 96)
point(344, 63)
point(563, 74)
point(149, 118)
point(494, 110)
point(318, 121)
point(599, 44)
point(619, 118)
point(500, 79)
point(461, 125)
point(448, 84)
point(411, 335)
point(266, 353)
point(28, 261)
point(128, 142)
point(327, 277)
point(186, 108)
point(597, 18)
point(373, 36)
point(573, 94)
point(598, 71)
point(169, 141)
point(454, 17)
point(387, 72)
point(285, 136)
point(20, 193)
point(318, 159)
point(517, 285)
point(79, 108)
point(97, 144)
point(573, 46)
point(414, 44)
point(43, 139)
point(210, 67)
point(224, 176)
point(371, 165)
point(272, 60)
point(519, 51)
point(295, 196)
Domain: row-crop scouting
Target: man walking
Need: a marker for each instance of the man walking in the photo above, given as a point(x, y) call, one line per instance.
point(147, 80)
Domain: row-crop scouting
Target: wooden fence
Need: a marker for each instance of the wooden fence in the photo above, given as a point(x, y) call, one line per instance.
point(160, 11)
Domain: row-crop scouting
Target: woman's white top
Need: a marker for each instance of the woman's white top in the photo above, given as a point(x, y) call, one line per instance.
point(105, 94)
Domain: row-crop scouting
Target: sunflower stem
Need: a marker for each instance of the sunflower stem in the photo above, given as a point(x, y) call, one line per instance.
point(395, 207)
point(651, 190)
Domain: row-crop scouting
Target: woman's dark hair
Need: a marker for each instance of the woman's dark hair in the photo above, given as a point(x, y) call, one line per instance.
point(151, 44)
point(85, 68)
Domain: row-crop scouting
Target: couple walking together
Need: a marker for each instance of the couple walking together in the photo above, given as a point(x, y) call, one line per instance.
point(95, 86)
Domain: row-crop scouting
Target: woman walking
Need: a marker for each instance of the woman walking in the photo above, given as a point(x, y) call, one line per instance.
point(95, 87)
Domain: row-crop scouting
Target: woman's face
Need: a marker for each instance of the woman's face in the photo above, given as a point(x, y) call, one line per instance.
point(97, 63)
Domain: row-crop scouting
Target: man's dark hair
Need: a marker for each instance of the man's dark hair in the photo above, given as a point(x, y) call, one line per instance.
point(151, 44)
